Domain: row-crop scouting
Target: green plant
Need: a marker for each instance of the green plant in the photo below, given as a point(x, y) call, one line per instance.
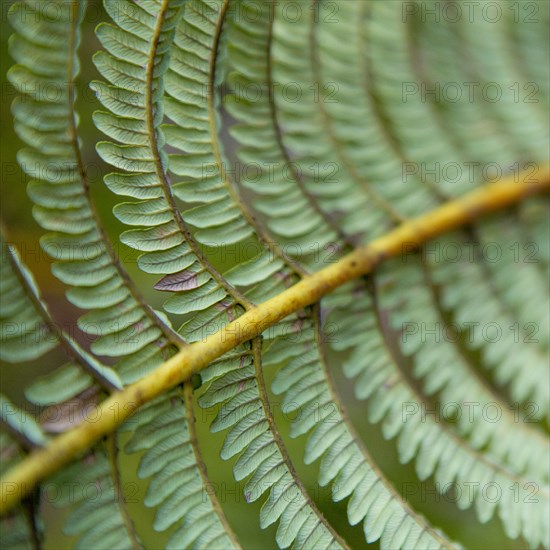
point(240, 126)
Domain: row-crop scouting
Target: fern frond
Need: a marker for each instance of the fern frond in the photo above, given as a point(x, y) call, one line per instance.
point(27, 329)
point(491, 147)
point(342, 162)
point(453, 375)
point(345, 462)
point(142, 50)
point(191, 103)
point(295, 193)
point(21, 323)
point(240, 390)
point(178, 481)
point(305, 378)
point(529, 57)
point(179, 485)
point(60, 188)
point(126, 327)
point(361, 133)
point(326, 187)
point(506, 357)
point(169, 246)
point(112, 524)
point(436, 449)
point(390, 67)
point(524, 297)
point(493, 60)
point(196, 289)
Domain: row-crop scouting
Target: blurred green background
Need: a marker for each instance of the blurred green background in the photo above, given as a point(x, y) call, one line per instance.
point(24, 233)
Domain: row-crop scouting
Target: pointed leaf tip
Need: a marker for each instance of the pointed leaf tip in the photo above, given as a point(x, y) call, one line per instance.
point(184, 280)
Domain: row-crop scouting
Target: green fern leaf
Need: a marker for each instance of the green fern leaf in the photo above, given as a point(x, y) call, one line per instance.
point(450, 373)
point(126, 328)
point(437, 449)
point(506, 356)
point(244, 127)
point(48, 392)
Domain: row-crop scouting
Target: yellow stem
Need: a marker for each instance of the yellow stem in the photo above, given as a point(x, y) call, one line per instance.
point(38, 465)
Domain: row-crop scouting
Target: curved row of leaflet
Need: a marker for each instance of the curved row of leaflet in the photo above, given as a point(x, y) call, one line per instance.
point(253, 118)
point(171, 248)
point(512, 243)
point(96, 469)
point(166, 59)
point(508, 433)
point(409, 181)
point(126, 327)
point(241, 404)
point(241, 109)
point(435, 446)
point(416, 112)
